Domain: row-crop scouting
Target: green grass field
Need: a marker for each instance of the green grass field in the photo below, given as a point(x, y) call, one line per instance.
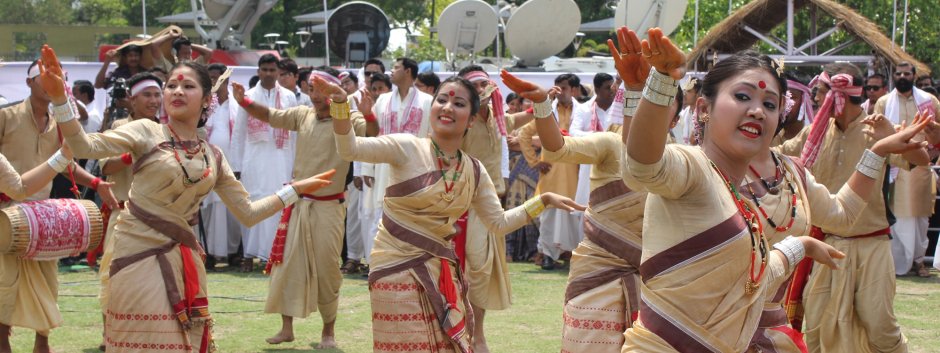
point(533, 324)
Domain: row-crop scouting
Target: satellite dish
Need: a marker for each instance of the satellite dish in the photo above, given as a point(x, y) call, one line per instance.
point(358, 31)
point(641, 15)
point(541, 28)
point(234, 20)
point(467, 27)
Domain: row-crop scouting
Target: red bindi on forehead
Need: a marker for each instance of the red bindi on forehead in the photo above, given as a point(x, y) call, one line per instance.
point(451, 93)
point(179, 77)
point(762, 84)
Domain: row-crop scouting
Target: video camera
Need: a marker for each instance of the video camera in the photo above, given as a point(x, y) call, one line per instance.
point(119, 91)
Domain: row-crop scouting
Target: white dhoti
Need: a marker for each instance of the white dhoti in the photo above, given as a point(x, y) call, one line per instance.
point(559, 231)
point(354, 248)
point(909, 242)
point(257, 240)
point(223, 232)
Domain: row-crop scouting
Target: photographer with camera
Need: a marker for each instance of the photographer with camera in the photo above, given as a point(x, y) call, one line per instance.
point(129, 64)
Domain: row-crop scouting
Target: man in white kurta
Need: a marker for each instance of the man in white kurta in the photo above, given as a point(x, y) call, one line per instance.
point(914, 191)
point(403, 110)
point(262, 154)
point(223, 232)
point(591, 117)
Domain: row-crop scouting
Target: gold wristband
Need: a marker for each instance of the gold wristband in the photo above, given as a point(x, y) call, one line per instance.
point(340, 111)
point(534, 206)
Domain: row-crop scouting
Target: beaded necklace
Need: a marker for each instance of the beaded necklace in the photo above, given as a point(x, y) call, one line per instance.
point(753, 226)
point(792, 197)
point(442, 159)
point(187, 181)
point(778, 174)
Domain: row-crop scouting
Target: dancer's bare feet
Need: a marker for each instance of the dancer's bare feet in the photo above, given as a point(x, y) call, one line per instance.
point(287, 331)
point(479, 338)
point(327, 339)
point(326, 342)
point(280, 337)
point(41, 345)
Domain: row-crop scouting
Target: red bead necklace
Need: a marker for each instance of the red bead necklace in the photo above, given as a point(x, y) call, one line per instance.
point(187, 181)
point(758, 243)
point(442, 159)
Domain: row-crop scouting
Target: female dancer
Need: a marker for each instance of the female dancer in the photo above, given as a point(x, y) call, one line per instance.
point(415, 271)
point(158, 287)
point(706, 264)
point(788, 197)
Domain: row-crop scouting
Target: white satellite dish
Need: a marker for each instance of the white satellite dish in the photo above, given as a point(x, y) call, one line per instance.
point(234, 20)
point(541, 28)
point(467, 27)
point(641, 15)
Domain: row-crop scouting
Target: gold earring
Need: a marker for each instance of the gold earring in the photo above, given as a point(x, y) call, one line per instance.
point(703, 119)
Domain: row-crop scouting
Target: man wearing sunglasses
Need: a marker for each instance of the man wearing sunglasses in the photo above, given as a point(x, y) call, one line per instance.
point(371, 66)
point(875, 88)
point(914, 195)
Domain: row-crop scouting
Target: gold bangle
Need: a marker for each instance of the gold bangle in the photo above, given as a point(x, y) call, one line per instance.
point(340, 111)
point(534, 206)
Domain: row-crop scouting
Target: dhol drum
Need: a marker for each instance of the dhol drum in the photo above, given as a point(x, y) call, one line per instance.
point(50, 229)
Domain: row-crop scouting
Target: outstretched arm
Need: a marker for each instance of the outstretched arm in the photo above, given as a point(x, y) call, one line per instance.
point(256, 110)
point(647, 137)
point(547, 127)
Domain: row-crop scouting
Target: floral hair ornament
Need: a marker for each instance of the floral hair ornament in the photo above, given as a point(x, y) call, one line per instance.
point(778, 65)
point(789, 103)
point(690, 84)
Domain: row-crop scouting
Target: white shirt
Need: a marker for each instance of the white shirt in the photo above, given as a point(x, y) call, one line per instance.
point(93, 123)
point(264, 167)
point(582, 115)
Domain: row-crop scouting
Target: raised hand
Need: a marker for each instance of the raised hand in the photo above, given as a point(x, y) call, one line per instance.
point(932, 132)
point(334, 91)
point(238, 92)
point(900, 141)
point(662, 54)
point(111, 55)
point(314, 183)
point(881, 127)
point(553, 92)
point(51, 76)
point(628, 59)
point(526, 89)
point(364, 105)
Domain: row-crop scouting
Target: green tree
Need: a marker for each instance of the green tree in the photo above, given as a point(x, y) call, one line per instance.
point(53, 12)
point(101, 12)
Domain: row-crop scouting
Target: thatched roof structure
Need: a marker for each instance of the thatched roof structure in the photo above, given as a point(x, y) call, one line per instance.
point(765, 15)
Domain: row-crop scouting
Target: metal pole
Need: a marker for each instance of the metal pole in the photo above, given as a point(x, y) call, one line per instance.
point(326, 34)
point(894, 21)
point(499, 52)
point(695, 30)
point(143, 6)
point(789, 27)
point(904, 35)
